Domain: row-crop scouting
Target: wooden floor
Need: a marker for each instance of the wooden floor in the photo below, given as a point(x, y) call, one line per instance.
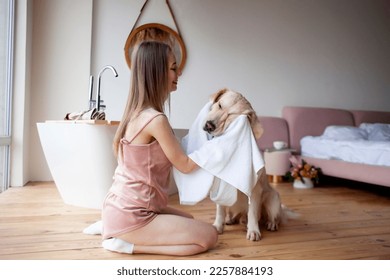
point(337, 222)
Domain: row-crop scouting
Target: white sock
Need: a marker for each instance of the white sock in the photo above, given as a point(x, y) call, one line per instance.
point(94, 229)
point(118, 245)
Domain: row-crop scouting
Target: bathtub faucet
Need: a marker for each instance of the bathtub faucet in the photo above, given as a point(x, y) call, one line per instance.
point(98, 102)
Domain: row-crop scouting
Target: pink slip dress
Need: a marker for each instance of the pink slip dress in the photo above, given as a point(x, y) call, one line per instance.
point(140, 188)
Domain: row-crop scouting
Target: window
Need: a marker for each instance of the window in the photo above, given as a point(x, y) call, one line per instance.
point(6, 61)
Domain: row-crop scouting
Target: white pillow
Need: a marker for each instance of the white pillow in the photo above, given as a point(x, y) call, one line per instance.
point(377, 131)
point(346, 133)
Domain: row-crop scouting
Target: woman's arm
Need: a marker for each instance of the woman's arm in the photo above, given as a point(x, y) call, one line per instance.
point(161, 130)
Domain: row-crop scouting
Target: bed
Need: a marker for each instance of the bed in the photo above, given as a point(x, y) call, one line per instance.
point(343, 143)
point(318, 124)
point(366, 144)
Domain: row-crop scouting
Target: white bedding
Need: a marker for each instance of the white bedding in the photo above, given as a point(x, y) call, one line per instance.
point(352, 144)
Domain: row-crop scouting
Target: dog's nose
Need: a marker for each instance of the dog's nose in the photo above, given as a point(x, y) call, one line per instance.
point(209, 126)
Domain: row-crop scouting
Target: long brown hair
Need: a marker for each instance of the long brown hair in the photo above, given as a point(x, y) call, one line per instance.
point(149, 83)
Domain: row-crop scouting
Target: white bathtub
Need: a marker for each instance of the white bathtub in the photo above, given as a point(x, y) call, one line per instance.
point(81, 159)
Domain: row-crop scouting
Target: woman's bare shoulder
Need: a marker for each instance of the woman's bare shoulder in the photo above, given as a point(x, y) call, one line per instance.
point(144, 125)
point(159, 121)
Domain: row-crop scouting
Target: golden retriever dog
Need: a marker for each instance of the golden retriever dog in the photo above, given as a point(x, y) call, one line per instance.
point(265, 204)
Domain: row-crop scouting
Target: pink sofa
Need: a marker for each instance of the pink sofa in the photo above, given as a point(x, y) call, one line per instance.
point(297, 122)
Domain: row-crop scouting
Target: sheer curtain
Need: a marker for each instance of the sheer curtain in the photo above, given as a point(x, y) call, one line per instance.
point(6, 58)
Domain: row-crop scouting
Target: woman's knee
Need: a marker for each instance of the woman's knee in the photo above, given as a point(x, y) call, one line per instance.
point(210, 237)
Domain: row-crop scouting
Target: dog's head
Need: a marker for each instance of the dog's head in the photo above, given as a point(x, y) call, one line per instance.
point(227, 106)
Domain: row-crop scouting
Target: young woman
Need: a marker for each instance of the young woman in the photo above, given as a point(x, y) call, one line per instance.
point(135, 215)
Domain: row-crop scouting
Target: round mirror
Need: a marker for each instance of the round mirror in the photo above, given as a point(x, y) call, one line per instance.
point(158, 32)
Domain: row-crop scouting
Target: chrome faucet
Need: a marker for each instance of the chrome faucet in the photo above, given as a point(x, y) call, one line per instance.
point(97, 102)
point(91, 102)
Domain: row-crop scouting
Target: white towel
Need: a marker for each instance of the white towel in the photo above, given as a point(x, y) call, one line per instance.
point(229, 162)
point(91, 114)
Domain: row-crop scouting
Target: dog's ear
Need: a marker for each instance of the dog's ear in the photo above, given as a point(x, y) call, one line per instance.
point(216, 96)
point(256, 126)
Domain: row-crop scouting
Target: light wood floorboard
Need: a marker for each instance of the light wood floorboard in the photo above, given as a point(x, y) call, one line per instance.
point(336, 222)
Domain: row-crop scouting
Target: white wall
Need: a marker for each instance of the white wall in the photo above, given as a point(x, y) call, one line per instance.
point(282, 52)
point(331, 53)
point(55, 79)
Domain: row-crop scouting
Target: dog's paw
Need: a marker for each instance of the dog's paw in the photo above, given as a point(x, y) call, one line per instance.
point(253, 235)
point(219, 227)
point(272, 226)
